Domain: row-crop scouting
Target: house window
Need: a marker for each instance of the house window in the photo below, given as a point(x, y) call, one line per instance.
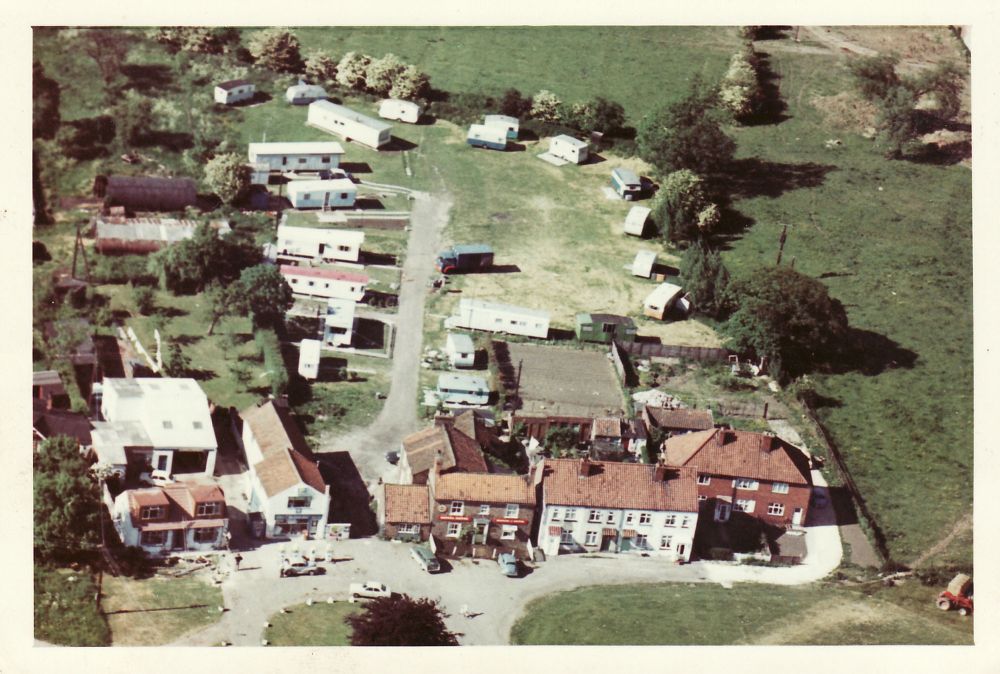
point(508, 532)
point(665, 542)
point(642, 541)
point(567, 537)
point(670, 521)
point(611, 517)
point(484, 508)
point(457, 508)
point(702, 497)
point(204, 509)
point(298, 501)
point(595, 516)
point(311, 284)
point(745, 483)
point(206, 535)
point(294, 281)
point(704, 479)
point(591, 538)
point(168, 425)
point(780, 487)
point(343, 195)
point(555, 514)
point(744, 506)
point(629, 518)
point(453, 529)
point(151, 512)
point(153, 538)
point(326, 285)
point(645, 518)
point(685, 522)
point(570, 514)
point(776, 509)
point(512, 510)
point(408, 529)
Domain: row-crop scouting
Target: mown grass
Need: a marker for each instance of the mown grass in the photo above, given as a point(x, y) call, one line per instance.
point(317, 625)
point(704, 614)
point(66, 610)
point(154, 611)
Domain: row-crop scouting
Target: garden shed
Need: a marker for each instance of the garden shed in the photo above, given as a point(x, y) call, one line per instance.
point(604, 328)
point(643, 264)
point(348, 124)
point(460, 350)
point(146, 193)
point(635, 221)
point(571, 149)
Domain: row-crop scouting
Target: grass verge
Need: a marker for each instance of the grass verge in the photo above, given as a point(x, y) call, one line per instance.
point(154, 611)
point(317, 625)
point(66, 612)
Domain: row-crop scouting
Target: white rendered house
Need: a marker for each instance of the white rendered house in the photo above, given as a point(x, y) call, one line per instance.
point(184, 516)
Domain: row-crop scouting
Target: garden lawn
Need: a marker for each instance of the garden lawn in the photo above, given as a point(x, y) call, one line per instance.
point(316, 625)
point(157, 610)
point(65, 611)
point(707, 614)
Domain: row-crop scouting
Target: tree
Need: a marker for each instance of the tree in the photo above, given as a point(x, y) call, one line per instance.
point(264, 293)
point(199, 40)
point(545, 106)
point(321, 68)
point(400, 621)
point(144, 299)
point(108, 47)
point(45, 95)
point(228, 176)
point(177, 362)
point(788, 318)
point(682, 209)
point(351, 70)
point(706, 279)
point(740, 92)
point(514, 104)
point(410, 84)
point(686, 135)
point(600, 114)
point(276, 49)
point(190, 265)
point(381, 73)
point(875, 76)
point(219, 302)
point(897, 121)
point(133, 115)
point(561, 441)
point(67, 500)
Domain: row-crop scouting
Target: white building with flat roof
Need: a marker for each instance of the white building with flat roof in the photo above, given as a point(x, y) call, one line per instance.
point(296, 156)
point(349, 124)
point(320, 243)
point(338, 193)
point(338, 323)
point(497, 317)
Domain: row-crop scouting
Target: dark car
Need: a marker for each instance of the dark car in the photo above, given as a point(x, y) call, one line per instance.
point(392, 457)
point(425, 559)
point(335, 174)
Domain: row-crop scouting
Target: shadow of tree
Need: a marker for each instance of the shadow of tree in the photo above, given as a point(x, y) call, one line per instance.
point(148, 78)
point(755, 177)
point(772, 107)
point(174, 141)
point(871, 354)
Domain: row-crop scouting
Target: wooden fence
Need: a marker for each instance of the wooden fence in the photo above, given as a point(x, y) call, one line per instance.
point(648, 350)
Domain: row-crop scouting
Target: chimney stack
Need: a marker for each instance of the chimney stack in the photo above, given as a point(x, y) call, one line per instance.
point(585, 467)
point(660, 472)
point(770, 441)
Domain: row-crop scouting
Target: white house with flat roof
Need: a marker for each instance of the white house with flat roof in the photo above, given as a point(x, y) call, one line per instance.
point(320, 243)
point(339, 193)
point(338, 323)
point(155, 424)
point(296, 156)
point(496, 317)
point(349, 124)
point(462, 389)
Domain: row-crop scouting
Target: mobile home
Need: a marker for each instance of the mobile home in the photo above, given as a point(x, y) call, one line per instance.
point(403, 111)
point(643, 264)
point(495, 317)
point(309, 358)
point(462, 389)
point(317, 243)
point(338, 324)
point(304, 94)
point(348, 124)
point(658, 303)
point(492, 138)
point(510, 125)
point(296, 156)
point(571, 149)
point(260, 173)
point(322, 193)
point(626, 184)
point(604, 328)
point(325, 283)
point(234, 91)
point(635, 221)
point(460, 350)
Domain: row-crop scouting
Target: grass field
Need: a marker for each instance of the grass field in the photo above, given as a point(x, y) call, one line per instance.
point(703, 614)
point(317, 625)
point(157, 610)
point(65, 611)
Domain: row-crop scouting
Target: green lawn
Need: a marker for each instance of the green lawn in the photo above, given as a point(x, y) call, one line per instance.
point(317, 625)
point(157, 610)
point(65, 611)
point(704, 614)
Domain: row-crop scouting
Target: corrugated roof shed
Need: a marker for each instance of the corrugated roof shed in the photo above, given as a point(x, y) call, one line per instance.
point(147, 193)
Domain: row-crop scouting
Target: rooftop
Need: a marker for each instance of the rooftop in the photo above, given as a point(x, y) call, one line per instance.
point(757, 456)
point(497, 306)
point(296, 147)
point(335, 185)
point(570, 140)
point(695, 420)
point(285, 463)
point(407, 503)
point(422, 447)
point(450, 380)
point(609, 484)
point(173, 411)
point(318, 272)
point(347, 113)
point(461, 342)
point(627, 176)
point(485, 488)
point(232, 84)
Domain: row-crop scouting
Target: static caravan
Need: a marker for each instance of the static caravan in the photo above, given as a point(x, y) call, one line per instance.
point(492, 138)
point(571, 149)
point(510, 125)
point(403, 111)
point(309, 358)
point(462, 389)
point(317, 243)
point(234, 91)
point(325, 283)
point(305, 156)
point(635, 221)
point(643, 264)
point(338, 324)
point(260, 173)
point(658, 303)
point(626, 184)
point(495, 317)
point(304, 94)
point(348, 124)
point(460, 350)
point(322, 193)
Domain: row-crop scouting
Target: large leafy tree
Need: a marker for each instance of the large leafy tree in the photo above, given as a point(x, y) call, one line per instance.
point(382, 73)
point(351, 70)
point(264, 293)
point(189, 266)
point(45, 94)
point(683, 210)
point(400, 621)
point(706, 278)
point(410, 84)
point(788, 318)
point(277, 49)
point(599, 114)
point(686, 135)
point(109, 48)
point(67, 501)
point(228, 176)
point(321, 68)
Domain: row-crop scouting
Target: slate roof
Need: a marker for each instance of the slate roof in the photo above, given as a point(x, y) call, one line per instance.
point(485, 488)
point(612, 484)
point(407, 503)
point(732, 453)
point(286, 461)
point(49, 423)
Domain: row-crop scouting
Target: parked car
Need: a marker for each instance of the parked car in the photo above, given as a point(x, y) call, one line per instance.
point(426, 559)
point(370, 589)
point(508, 564)
point(392, 457)
point(157, 478)
point(297, 565)
point(334, 174)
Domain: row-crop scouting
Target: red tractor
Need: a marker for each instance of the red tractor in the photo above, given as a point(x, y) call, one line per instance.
point(957, 596)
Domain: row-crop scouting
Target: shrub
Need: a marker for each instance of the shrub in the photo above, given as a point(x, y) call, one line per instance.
point(144, 299)
point(463, 107)
point(512, 103)
point(410, 84)
point(321, 68)
point(270, 348)
point(546, 106)
point(121, 269)
point(380, 74)
point(352, 69)
point(277, 49)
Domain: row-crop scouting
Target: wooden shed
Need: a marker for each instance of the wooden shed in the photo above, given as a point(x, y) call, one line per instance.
point(146, 193)
point(604, 328)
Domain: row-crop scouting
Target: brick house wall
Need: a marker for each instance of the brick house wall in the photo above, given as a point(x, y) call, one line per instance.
point(722, 485)
point(469, 517)
point(391, 531)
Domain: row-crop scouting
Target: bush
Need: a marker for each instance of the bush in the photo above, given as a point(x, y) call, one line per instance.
point(546, 106)
point(277, 49)
point(270, 348)
point(65, 611)
point(121, 269)
point(512, 103)
point(463, 107)
point(144, 299)
point(352, 69)
point(382, 73)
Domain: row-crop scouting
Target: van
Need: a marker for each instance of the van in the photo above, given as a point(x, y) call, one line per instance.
point(425, 559)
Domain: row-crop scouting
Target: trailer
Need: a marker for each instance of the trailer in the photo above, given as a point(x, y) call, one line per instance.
point(473, 314)
point(635, 221)
point(319, 244)
point(626, 184)
point(403, 111)
point(571, 149)
point(510, 125)
point(658, 303)
point(322, 193)
point(465, 258)
point(325, 283)
point(491, 138)
point(643, 263)
point(296, 156)
point(462, 389)
point(309, 358)
point(348, 124)
point(234, 91)
point(304, 94)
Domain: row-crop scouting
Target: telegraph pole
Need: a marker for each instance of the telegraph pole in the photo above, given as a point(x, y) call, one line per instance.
point(781, 247)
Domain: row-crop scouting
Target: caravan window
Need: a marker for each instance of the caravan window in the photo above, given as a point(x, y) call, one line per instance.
point(306, 196)
point(302, 160)
point(343, 195)
point(325, 160)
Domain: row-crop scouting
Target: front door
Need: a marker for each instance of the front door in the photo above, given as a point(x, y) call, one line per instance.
point(481, 532)
point(326, 200)
point(797, 517)
point(722, 511)
point(606, 542)
point(177, 539)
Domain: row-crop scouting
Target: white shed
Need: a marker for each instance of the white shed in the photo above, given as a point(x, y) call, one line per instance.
point(339, 193)
point(510, 125)
point(303, 94)
point(234, 91)
point(325, 283)
point(320, 243)
point(460, 350)
point(496, 317)
point(348, 124)
point(643, 263)
point(571, 149)
point(338, 324)
point(403, 111)
point(309, 358)
point(296, 156)
point(635, 221)
point(658, 303)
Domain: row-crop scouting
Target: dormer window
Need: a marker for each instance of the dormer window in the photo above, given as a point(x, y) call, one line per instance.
point(457, 508)
point(151, 512)
point(206, 509)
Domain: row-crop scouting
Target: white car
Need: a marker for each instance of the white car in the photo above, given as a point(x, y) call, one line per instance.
point(370, 589)
point(157, 478)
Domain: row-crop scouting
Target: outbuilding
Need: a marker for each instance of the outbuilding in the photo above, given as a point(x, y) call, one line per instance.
point(626, 184)
point(635, 221)
point(304, 94)
point(146, 193)
point(325, 283)
point(571, 149)
point(460, 350)
point(338, 324)
point(234, 91)
point(400, 110)
point(510, 125)
point(462, 389)
point(296, 156)
point(492, 138)
point(495, 317)
point(658, 303)
point(339, 193)
point(348, 124)
point(309, 358)
point(604, 328)
point(643, 263)
point(319, 243)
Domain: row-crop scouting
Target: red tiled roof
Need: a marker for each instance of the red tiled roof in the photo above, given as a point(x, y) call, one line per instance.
point(286, 462)
point(407, 503)
point(607, 427)
point(181, 500)
point(747, 454)
point(618, 485)
point(422, 447)
point(685, 419)
point(555, 531)
point(334, 274)
point(484, 488)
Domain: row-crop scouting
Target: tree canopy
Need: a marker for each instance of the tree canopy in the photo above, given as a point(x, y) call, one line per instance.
point(400, 621)
point(277, 49)
point(67, 501)
point(683, 210)
point(706, 278)
point(264, 293)
point(686, 135)
point(228, 176)
point(351, 70)
point(189, 266)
